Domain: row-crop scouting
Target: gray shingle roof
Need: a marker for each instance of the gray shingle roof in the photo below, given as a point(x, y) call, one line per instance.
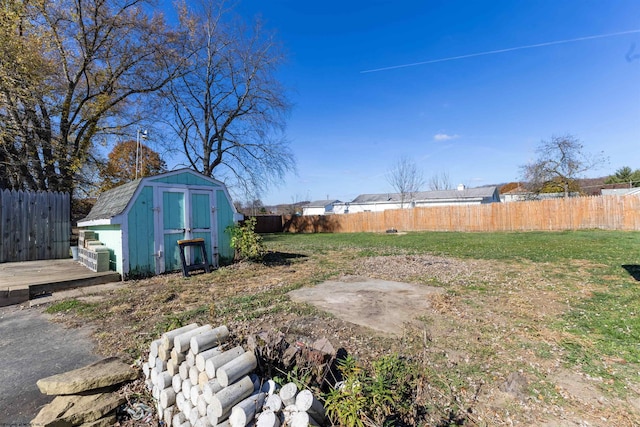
point(113, 202)
point(467, 193)
point(371, 198)
point(478, 192)
point(320, 203)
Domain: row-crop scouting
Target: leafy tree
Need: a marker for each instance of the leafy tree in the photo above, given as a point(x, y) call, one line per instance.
point(405, 178)
point(228, 107)
point(561, 160)
point(625, 175)
point(510, 187)
point(72, 72)
point(558, 185)
point(121, 164)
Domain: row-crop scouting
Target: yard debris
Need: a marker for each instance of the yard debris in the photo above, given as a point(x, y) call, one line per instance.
point(229, 392)
point(138, 411)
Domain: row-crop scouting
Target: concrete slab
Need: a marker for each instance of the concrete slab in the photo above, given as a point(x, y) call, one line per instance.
point(381, 305)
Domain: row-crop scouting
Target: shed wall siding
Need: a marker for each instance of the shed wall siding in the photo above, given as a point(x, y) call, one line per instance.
point(225, 218)
point(142, 261)
point(185, 179)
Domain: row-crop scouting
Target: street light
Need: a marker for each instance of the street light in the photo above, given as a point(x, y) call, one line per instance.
point(141, 134)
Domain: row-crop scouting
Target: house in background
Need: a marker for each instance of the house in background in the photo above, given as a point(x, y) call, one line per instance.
point(420, 199)
point(140, 222)
point(319, 207)
point(621, 191)
point(516, 192)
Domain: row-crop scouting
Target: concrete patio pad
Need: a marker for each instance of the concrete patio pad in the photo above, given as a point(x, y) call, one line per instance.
point(381, 305)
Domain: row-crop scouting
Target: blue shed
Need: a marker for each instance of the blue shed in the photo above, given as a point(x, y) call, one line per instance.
point(140, 222)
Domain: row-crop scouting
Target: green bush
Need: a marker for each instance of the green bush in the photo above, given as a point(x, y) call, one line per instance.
point(246, 242)
point(381, 394)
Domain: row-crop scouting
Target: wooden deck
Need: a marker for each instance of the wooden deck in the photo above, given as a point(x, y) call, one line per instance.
point(22, 281)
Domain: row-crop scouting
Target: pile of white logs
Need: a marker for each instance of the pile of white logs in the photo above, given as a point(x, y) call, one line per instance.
point(198, 382)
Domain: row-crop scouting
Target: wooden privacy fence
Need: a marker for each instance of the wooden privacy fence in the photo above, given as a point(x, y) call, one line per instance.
point(34, 225)
point(268, 223)
point(602, 212)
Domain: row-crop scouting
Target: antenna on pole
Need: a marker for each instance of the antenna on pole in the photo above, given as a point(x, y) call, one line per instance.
point(140, 134)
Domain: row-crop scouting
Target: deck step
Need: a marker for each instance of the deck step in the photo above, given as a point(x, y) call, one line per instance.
point(96, 279)
point(13, 296)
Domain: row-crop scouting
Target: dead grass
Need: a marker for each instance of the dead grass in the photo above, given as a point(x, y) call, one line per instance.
point(488, 345)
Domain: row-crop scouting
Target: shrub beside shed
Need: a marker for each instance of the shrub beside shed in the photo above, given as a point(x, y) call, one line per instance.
point(141, 222)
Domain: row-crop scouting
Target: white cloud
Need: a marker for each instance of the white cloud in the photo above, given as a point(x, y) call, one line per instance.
point(444, 137)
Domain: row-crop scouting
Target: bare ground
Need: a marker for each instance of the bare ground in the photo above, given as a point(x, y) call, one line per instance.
point(485, 337)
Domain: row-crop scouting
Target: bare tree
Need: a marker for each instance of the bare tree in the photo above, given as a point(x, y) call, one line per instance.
point(228, 108)
point(405, 178)
point(88, 66)
point(560, 161)
point(440, 181)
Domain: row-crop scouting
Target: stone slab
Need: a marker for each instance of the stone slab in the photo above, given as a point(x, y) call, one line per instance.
point(106, 421)
point(103, 373)
point(69, 411)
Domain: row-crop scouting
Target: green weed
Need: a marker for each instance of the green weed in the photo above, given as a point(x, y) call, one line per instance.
point(72, 305)
point(381, 394)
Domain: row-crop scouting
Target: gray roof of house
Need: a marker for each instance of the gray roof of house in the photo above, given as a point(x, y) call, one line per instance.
point(113, 202)
point(467, 193)
point(320, 203)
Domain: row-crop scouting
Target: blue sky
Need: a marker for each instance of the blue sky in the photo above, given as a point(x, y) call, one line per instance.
point(477, 119)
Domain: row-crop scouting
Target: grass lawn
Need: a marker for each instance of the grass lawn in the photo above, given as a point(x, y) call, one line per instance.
point(599, 332)
point(532, 329)
point(609, 318)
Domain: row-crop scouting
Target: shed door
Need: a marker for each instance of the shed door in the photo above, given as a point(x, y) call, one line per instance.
point(203, 224)
point(186, 214)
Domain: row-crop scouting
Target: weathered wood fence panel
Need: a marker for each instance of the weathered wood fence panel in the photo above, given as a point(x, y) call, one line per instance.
point(268, 223)
point(601, 212)
point(34, 225)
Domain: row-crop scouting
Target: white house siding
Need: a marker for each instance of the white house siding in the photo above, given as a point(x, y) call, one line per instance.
point(382, 202)
point(320, 207)
point(347, 208)
point(315, 210)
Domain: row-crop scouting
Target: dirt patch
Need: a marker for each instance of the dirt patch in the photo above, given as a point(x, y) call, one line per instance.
point(381, 305)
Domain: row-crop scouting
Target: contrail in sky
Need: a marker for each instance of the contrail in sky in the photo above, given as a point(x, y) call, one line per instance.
point(510, 49)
